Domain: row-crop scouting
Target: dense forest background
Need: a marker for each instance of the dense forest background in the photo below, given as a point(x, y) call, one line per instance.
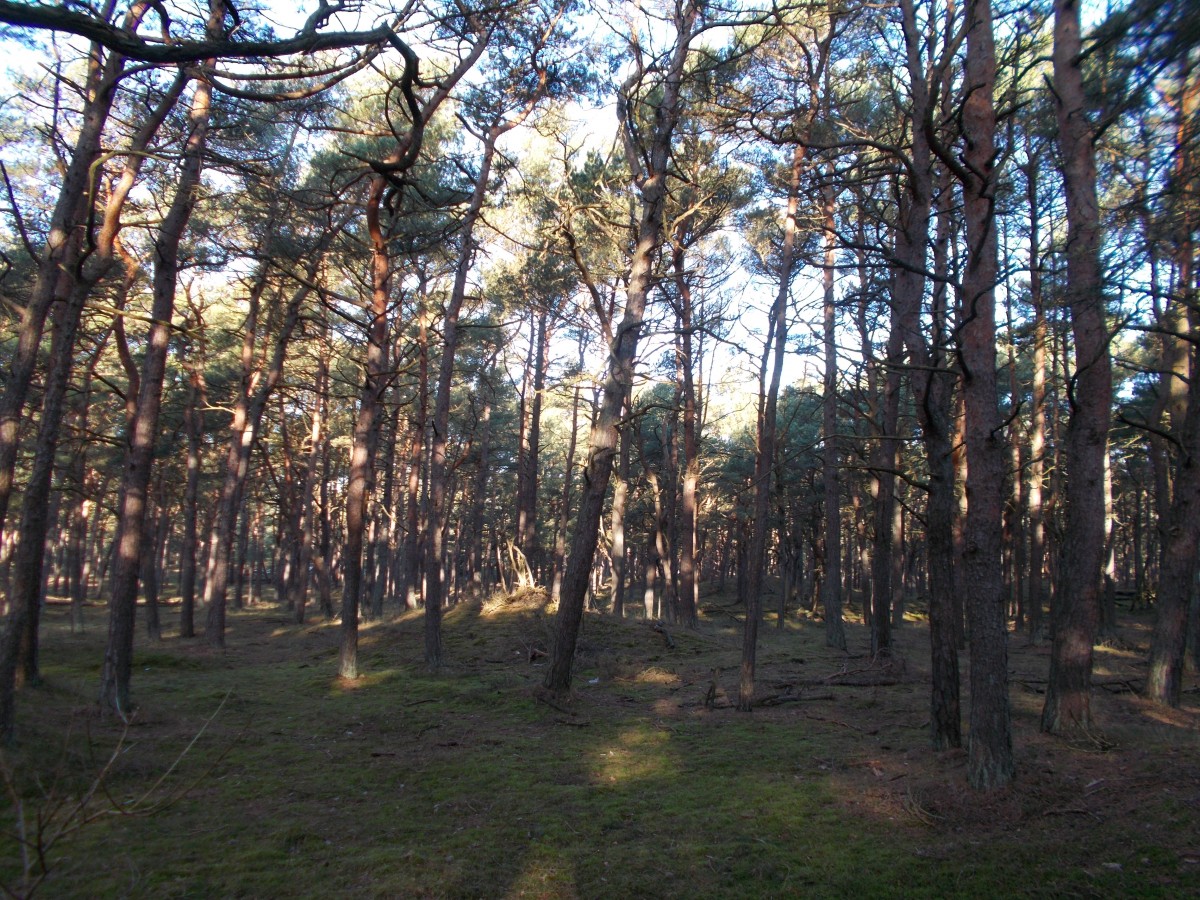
point(883, 308)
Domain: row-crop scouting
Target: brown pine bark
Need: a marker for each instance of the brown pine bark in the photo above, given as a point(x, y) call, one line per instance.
point(193, 422)
point(989, 750)
point(1035, 513)
point(316, 447)
point(20, 640)
point(435, 592)
point(63, 250)
point(531, 440)
point(258, 386)
point(564, 509)
point(831, 599)
point(1076, 603)
point(932, 385)
point(366, 432)
point(118, 657)
point(366, 426)
point(476, 561)
point(771, 373)
point(651, 178)
point(1176, 583)
point(620, 555)
point(886, 459)
point(412, 579)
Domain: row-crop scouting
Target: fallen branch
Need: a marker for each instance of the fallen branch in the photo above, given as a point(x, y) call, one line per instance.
point(667, 639)
point(843, 724)
point(542, 697)
point(780, 699)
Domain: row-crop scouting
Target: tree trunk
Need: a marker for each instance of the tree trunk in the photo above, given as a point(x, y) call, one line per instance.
point(1076, 608)
point(835, 635)
point(932, 386)
point(564, 513)
point(193, 421)
point(620, 555)
point(435, 552)
point(764, 458)
point(887, 461)
point(527, 536)
point(316, 437)
point(414, 593)
point(1177, 584)
point(1035, 514)
point(689, 588)
point(118, 657)
point(62, 254)
point(602, 445)
point(989, 750)
point(366, 432)
point(476, 561)
point(20, 640)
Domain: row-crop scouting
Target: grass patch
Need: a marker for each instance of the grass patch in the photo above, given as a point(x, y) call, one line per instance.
point(467, 783)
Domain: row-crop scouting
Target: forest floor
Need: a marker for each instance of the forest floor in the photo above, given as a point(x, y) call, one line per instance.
point(472, 783)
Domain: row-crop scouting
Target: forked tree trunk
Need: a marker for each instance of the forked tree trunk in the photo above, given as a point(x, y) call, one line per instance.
point(63, 250)
point(932, 385)
point(118, 657)
point(366, 427)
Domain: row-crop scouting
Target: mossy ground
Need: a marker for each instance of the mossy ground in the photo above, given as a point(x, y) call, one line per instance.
point(472, 783)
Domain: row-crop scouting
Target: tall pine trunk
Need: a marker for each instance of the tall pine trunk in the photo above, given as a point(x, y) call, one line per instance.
point(143, 433)
point(989, 750)
point(1076, 608)
point(602, 443)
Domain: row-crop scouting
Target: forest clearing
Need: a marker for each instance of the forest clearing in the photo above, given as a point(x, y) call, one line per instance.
point(475, 783)
point(877, 319)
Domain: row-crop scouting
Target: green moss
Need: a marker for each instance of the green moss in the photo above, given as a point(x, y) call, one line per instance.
point(465, 784)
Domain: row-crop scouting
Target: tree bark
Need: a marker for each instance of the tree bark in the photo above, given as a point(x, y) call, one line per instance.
point(602, 444)
point(1076, 608)
point(932, 384)
point(620, 555)
point(118, 657)
point(62, 253)
point(1035, 513)
point(764, 454)
point(835, 635)
point(366, 432)
point(193, 420)
point(1177, 588)
point(435, 552)
point(989, 751)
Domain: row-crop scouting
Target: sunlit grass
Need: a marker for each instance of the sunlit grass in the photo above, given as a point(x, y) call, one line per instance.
point(467, 783)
